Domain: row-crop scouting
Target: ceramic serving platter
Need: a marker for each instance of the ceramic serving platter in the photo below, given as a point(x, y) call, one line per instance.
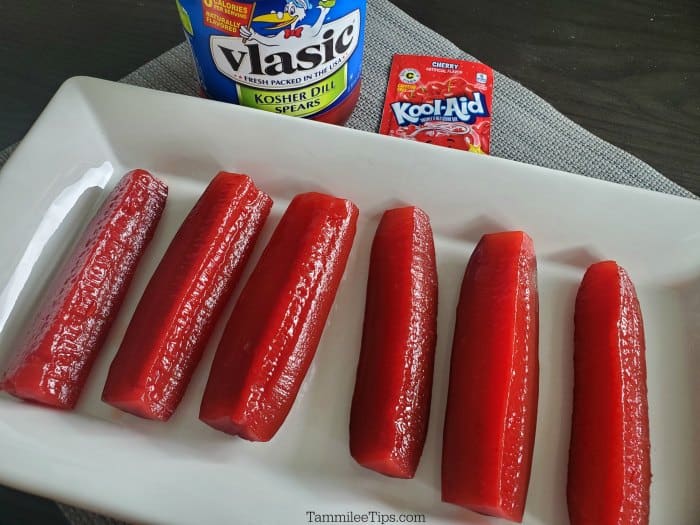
point(185, 472)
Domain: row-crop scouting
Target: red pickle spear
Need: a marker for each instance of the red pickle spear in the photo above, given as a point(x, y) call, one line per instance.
point(609, 457)
point(272, 335)
point(391, 403)
point(54, 361)
point(176, 315)
point(492, 400)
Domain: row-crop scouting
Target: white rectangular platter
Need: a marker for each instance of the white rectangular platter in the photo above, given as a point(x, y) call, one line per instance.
point(185, 472)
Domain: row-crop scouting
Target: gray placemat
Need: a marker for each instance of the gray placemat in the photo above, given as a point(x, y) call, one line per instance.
point(525, 127)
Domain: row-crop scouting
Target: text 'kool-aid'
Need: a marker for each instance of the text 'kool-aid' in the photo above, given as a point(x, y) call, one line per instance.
point(439, 101)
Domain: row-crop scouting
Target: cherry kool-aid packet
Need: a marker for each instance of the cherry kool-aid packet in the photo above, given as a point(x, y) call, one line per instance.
point(439, 101)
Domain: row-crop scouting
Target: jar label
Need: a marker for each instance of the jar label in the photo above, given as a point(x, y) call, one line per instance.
point(293, 57)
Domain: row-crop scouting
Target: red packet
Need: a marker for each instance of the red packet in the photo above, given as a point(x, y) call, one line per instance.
point(439, 101)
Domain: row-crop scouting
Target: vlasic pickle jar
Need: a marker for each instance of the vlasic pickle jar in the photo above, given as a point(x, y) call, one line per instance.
point(292, 57)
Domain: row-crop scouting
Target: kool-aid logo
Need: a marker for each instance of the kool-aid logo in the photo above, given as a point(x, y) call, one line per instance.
point(452, 109)
point(293, 54)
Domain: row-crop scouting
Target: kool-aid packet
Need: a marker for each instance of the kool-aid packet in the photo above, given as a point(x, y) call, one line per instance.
point(439, 101)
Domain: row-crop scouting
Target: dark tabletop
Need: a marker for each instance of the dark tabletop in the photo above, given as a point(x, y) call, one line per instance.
point(627, 70)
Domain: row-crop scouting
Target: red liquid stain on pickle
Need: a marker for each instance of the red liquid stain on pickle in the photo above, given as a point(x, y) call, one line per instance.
point(609, 459)
point(179, 308)
point(274, 330)
point(492, 401)
point(53, 363)
point(391, 403)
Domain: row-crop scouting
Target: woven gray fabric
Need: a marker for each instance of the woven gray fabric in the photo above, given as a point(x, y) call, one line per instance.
point(525, 127)
point(76, 516)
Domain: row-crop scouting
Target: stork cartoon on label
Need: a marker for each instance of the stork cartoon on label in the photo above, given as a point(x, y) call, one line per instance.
point(289, 22)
